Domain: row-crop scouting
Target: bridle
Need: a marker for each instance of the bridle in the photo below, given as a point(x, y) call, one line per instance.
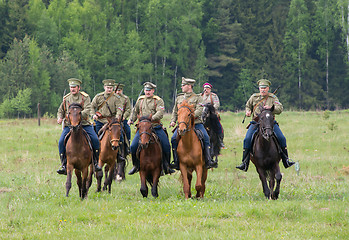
point(264, 127)
point(114, 123)
point(187, 124)
point(147, 132)
point(74, 108)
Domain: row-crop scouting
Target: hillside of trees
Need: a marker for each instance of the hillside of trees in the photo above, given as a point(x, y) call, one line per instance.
point(300, 45)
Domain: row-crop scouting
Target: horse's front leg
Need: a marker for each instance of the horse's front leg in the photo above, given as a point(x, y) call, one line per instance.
point(263, 179)
point(99, 176)
point(199, 183)
point(110, 177)
point(79, 181)
point(68, 182)
point(106, 171)
point(84, 189)
point(278, 177)
point(186, 177)
point(154, 189)
point(144, 187)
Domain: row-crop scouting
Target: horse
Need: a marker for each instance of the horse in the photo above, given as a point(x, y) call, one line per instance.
point(266, 156)
point(150, 155)
point(78, 152)
point(189, 151)
point(108, 154)
point(211, 121)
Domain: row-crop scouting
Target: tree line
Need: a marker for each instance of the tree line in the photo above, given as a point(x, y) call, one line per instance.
point(300, 45)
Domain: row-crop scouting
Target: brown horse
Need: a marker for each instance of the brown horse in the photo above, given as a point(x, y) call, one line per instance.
point(79, 153)
point(190, 152)
point(266, 155)
point(109, 151)
point(150, 155)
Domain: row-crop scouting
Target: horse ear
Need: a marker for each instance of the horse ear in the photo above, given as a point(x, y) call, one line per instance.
point(272, 108)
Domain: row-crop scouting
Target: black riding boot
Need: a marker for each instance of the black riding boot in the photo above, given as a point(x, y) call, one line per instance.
point(209, 163)
point(166, 163)
point(285, 160)
point(135, 162)
point(245, 160)
point(175, 164)
point(63, 169)
point(95, 160)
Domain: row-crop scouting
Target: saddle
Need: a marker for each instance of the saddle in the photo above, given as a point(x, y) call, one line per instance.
point(85, 134)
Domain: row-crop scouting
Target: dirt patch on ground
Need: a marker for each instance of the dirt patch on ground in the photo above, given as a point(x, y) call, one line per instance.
point(4, 190)
point(345, 170)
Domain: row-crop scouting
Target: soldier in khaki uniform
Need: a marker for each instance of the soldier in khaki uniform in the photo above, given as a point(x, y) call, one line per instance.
point(196, 100)
point(265, 100)
point(209, 97)
point(154, 105)
point(76, 96)
point(106, 104)
point(125, 100)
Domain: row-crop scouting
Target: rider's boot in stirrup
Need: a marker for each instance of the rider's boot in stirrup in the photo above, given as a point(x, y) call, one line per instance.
point(175, 164)
point(95, 160)
point(166, 163)
point(63, 169)
point(135, 167)
point(285, 160)
point(209, 163)
point(245, 160)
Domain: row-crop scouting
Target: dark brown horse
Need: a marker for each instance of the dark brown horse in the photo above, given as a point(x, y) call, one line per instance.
point(266, 155)
point(211, 121)
point(109, 151)
point(189, 151)
point(79, 153)
point(150, 155)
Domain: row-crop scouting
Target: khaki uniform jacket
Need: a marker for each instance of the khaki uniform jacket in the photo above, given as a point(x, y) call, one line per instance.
point(257, 99)
point(77, 98)
point(211, 98)
point(146, 106)
point(123, 98)
point(193, 99)
point(114, 104)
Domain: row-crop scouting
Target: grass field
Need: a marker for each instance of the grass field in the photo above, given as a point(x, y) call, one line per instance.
point(313, 203)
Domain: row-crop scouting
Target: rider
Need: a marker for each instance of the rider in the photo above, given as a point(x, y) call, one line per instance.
point(150, 104)
point(196, 100)
point(265, 100)
point(210, 97)
point(125, 100)
point(76, 96)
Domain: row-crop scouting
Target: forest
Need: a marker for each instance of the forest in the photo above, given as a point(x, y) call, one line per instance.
point(301, 46)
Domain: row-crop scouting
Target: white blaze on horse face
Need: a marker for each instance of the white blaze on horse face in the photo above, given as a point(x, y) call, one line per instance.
point(267, 115)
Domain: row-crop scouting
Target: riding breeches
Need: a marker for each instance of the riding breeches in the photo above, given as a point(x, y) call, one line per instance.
point(90, 131)
point(254, 127)
point(165, 144)
point(198, 126)
point(127, 130)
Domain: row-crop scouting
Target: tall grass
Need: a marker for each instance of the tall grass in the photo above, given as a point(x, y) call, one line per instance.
point(313, 203)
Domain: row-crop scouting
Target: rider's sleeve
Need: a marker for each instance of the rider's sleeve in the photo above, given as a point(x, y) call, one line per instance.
point(87, 109)
point(216, 102)
point(278, 108)
point(94, 105)
point(127, 112)
point(174, 112)
point(60, 112)
point(199, 107)
point(160, 109)
point(249, 104)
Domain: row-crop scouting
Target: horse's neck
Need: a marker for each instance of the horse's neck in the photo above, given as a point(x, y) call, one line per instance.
point(189, 137)
point(77, 136)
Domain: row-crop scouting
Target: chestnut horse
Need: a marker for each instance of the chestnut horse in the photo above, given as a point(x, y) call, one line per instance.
point(79, 153)
point(108, 154)
point(266, 155)
point(189, 151)
point(150, 155)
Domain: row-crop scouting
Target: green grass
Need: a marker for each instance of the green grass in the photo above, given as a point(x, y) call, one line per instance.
point(313, 204)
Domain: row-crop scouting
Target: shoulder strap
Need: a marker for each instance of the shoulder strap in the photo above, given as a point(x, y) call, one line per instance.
point(106, 99)
point(265, 100)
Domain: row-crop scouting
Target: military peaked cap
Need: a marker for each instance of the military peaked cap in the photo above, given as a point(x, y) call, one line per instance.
point(186, 81)
point(264, 83)
point(149, 86)
point(73, 82)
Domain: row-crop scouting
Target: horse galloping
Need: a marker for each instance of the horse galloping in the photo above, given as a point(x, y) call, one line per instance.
point(211, 121)
point(109, 151)
point(78, 152)
point(266, 156)
point(150, 155)
point(189, 151)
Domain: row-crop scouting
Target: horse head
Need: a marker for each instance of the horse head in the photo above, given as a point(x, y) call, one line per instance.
point(186, 117)
point(207, 111)
point(114, 129)
point(74, 116)
point(145, 128)
point(266, 122)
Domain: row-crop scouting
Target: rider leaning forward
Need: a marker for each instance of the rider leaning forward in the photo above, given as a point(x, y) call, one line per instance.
point(76, 96)
point(265, 100)
point(197, 101)
point(146, 105)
